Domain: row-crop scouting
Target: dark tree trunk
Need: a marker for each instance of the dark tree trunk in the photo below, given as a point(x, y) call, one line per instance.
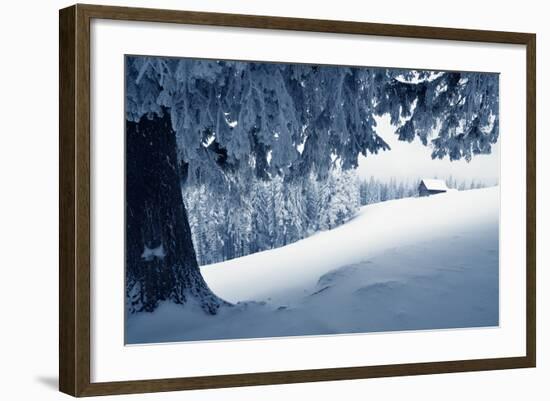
point(161, 263)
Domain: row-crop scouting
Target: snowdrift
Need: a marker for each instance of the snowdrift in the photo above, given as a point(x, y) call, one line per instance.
point(377, 228)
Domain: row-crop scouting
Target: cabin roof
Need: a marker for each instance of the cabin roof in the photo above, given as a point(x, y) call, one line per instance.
point(433, 184)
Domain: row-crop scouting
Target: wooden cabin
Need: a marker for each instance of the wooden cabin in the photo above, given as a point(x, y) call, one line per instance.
point(431, 186)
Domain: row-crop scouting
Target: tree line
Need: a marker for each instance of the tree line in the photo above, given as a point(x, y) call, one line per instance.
point(254, 215)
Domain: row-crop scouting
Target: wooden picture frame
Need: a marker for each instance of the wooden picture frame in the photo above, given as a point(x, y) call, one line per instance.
point(74, 199)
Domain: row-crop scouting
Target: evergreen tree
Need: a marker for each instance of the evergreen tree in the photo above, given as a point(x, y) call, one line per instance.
point(261, 219)
point(311, 189)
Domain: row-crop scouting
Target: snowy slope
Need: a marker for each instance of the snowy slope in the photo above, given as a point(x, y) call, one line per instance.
point(423, 263)
point(377, 228)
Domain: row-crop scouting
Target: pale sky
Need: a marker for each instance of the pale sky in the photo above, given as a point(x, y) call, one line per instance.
point(413, 160)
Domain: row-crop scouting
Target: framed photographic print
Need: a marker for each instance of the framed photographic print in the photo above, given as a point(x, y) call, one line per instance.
point(250, 200)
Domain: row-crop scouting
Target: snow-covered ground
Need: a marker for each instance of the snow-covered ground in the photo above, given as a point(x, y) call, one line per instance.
point(408, 264)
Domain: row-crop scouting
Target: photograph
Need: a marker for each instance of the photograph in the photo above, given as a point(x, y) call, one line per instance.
point(270, 199)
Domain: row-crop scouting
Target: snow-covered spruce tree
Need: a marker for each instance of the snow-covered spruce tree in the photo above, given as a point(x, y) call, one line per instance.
point(262, 229)
point(311, 189)
point(187, 118)
point(339, 199)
